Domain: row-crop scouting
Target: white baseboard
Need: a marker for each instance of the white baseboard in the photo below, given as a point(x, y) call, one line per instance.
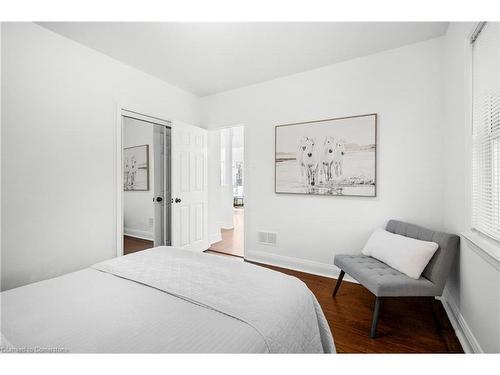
point(297, 264)
point(142, 234)
point(462, 330)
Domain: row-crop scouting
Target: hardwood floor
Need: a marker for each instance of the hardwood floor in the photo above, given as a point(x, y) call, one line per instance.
point(133, 244)
point(232, 239)
point(407, 325)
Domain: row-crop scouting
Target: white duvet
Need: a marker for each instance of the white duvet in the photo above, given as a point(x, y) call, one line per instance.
point(167, 300)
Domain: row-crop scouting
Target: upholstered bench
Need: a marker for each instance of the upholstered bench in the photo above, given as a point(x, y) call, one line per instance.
point(384, 281)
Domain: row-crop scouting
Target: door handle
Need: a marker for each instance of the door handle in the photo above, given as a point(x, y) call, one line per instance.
point(158, 199)
point(177, 200)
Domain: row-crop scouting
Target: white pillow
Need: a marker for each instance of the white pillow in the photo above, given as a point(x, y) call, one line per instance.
point(405, 254)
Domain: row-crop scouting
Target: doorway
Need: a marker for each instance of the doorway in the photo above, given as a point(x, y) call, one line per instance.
point(146, 160)
point(231, 205)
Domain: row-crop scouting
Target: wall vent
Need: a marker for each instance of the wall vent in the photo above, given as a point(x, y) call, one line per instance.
point(267, 238)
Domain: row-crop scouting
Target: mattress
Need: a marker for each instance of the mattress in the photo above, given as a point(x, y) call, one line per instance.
point(96, 311)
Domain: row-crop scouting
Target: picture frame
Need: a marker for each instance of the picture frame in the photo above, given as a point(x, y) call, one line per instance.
point(136, 168)
point(332, 157)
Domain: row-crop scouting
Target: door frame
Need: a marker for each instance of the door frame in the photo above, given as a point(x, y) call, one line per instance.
point(139, 115)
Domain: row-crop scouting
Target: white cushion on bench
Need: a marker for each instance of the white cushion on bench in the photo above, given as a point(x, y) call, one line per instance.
point(407, 255)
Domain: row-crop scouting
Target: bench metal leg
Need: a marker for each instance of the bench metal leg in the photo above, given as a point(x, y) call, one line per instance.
point(337, 284)
point(376, 315)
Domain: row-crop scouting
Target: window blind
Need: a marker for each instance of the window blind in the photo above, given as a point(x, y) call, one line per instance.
point(486, 131)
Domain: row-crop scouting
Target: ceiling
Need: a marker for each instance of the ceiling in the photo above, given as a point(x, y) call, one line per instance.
point(207, 58)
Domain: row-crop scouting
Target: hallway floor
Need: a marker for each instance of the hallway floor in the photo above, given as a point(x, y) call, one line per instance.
point(232, 239)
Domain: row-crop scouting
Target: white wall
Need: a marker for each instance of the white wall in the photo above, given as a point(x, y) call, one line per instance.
point(221, 210)
point(404, 86)
point(473, 291)
point(59, 111)
point(225, 204)
point(138, 208)
point(213, 185)
point(220, 197)
point(238, 152)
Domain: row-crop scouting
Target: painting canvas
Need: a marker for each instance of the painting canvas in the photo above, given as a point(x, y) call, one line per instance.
point(328, 157)
point(136, 168)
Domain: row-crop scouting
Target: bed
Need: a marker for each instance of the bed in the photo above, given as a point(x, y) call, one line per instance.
point(166, 300)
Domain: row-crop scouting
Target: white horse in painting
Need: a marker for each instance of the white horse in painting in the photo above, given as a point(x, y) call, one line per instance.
point(327, 158)
point(308, 159)
point(130, 171)
point(338, 158)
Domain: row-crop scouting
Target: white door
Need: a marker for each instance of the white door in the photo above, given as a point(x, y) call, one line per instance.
point(160, 185)
point(189, 187)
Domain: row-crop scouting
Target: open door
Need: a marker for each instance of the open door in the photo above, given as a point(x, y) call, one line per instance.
point(189, 187)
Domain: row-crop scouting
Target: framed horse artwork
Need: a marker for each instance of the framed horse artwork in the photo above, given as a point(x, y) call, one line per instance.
point(336, 157)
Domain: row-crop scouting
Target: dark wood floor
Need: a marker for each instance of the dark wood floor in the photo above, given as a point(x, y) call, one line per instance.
point(407, 325)
point(133, 244)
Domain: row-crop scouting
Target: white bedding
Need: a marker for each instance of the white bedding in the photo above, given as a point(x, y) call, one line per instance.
point(98, 312)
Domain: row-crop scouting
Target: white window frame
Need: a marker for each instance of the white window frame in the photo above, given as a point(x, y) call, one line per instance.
point(484, 245)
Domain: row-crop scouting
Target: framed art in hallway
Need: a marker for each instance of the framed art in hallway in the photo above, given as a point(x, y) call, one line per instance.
point(335, 157)
point(136, 168)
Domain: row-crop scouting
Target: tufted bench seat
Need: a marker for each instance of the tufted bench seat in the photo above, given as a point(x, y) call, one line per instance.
point(384, 281)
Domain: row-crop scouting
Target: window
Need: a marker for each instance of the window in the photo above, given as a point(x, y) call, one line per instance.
point(486, 129)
